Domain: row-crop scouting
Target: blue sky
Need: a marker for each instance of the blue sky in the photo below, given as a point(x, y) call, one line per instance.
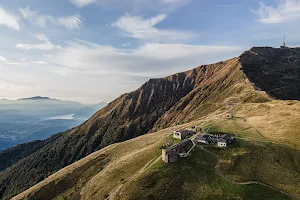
point(95, 50)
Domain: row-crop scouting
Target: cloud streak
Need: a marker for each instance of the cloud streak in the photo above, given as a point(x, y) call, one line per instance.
point(140, 5)
point(5, 86)
point(2, 58)
point(149, 60)
point(35, 17)
point(9, 19)
point(284, 11)
point(82, 3)
point(40, 62)
point(22, 62)
point(69, 22)
point(45, 45)
point(140, 28)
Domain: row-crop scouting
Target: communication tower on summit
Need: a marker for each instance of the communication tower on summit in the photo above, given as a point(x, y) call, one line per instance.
point(283, 43)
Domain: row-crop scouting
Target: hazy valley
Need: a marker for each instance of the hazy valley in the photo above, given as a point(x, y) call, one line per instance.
point(38, 118)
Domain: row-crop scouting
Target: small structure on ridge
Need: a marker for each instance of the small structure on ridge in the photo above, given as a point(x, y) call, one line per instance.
point(283, 44)
point(183, 134)
point(173, 153)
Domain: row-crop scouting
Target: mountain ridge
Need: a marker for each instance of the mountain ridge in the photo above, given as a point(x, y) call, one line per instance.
point(36, 98)
point(157, 104)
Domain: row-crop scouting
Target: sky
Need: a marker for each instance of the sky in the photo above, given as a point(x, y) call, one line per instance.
point(95, 50)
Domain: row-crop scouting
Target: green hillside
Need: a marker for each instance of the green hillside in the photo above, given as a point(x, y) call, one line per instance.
point(193, 178)
point(134, 170)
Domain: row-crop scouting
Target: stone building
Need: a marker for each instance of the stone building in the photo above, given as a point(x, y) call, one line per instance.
point(173, 153)
point(183, 134)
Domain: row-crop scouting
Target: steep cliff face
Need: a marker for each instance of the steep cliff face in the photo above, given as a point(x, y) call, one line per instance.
point(224, 79)
point(159, 103)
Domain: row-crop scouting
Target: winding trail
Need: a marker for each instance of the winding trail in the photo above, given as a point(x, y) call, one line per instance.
point(220, 174)
point(187, 153)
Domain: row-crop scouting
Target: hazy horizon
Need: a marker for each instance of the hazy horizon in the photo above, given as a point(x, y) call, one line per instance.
point(58, 98)
point(95, 50)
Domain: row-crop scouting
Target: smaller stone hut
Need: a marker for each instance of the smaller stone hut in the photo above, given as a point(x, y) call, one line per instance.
point(173, 153)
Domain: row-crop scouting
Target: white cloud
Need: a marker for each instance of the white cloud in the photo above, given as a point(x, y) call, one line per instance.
point(149, 60)
point(2, 58)
point(41, 46)
point(48, 56)
point(172, 1)
point(40, 62)
point(82, 3)
point(36, 18)
point(285, 10)
point(21, 64)
point(179, 51)
point(13, 88)
point(81, 64)
point(9, 19)
point(46, 45)
point(140, 5)
point(42, 37)
point(126, 44)
point(141, 28)
point(70, 22)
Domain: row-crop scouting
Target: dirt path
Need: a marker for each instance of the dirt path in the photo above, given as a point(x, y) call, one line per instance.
point(190, 148)
point(219, 173)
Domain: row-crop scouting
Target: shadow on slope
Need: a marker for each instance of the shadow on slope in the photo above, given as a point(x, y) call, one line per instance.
point(276, 71)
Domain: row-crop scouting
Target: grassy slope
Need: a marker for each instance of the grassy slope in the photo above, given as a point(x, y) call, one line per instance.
point(276, 121)
point(119, 168)
point(264, 162)
point(192, 178)
point(124, 160)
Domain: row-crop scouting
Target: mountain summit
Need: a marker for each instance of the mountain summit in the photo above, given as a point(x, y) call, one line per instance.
point(36, 98)
point(158, 104)
point(275, 71)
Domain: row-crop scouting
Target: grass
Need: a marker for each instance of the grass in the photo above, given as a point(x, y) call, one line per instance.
point(170, 140)
point(192, 178)
point(266, 162)
point(95, 177)
point(132, 172)
point(277, 121)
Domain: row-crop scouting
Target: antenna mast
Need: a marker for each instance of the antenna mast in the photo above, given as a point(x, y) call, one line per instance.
point(283, 43)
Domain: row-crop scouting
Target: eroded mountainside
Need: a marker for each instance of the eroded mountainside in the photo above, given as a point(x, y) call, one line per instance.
point(158, 104)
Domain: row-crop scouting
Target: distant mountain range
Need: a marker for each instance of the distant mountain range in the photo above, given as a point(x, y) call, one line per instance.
point(36, 98)
point(40, 106)
point(37, 118)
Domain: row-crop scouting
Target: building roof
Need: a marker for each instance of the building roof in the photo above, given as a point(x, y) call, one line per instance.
point(202, 136)
point(227, 137)
point(222, 140)
point(185, 131)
